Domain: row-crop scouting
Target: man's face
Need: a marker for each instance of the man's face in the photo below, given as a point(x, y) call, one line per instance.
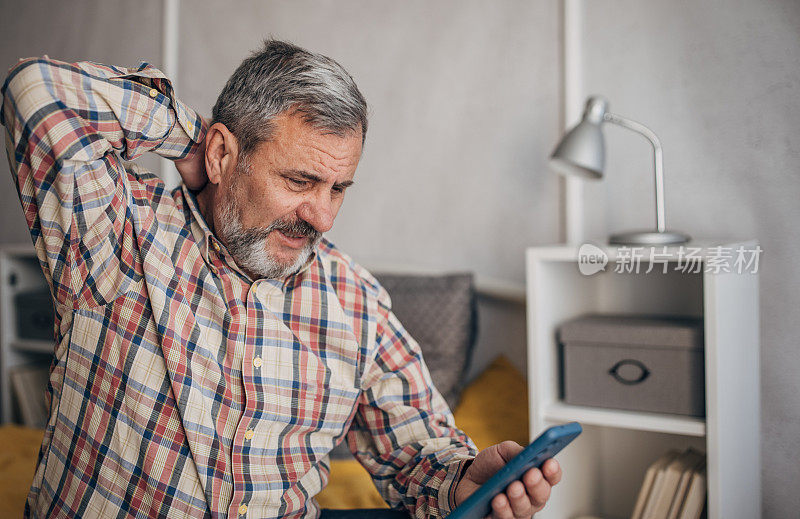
point(271, 211)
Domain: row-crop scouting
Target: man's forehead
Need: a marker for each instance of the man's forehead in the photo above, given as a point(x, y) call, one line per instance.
point(293, 128)
point(296, 144)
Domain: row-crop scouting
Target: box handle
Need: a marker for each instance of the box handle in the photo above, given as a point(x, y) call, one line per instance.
point(624, 377)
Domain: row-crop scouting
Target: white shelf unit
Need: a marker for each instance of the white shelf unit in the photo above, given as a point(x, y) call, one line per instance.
point(605, 466)
point(19, 272)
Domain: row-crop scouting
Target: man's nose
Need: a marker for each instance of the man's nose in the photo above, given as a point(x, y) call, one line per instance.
point(318, 211)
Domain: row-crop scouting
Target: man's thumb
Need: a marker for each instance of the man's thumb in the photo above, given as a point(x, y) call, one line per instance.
point(508, 449)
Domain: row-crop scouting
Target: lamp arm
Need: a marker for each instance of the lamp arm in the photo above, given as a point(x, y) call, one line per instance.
point(658, 161)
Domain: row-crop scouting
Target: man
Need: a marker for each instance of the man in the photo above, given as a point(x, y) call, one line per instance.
point(212, 347)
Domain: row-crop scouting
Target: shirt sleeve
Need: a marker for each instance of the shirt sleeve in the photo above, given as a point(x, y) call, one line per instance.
point(68, 128)
point(403, 432)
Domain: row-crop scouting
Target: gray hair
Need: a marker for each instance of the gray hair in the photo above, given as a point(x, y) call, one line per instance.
point(280, 77)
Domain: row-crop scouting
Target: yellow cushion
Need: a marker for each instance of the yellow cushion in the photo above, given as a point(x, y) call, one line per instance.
point(349, 487)
point(493, 408)
point(17, 464)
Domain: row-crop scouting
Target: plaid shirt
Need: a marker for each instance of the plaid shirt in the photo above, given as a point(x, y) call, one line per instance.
point(180, 387)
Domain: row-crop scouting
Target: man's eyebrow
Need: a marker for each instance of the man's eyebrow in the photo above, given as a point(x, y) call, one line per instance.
point(315, 178)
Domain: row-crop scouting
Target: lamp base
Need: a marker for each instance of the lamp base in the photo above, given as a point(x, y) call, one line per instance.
point(648, 238)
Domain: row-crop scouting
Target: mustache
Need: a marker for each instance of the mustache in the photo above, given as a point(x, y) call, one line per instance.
point(296, 227)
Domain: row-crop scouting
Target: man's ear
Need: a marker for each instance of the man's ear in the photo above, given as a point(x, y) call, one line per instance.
point(222, 153)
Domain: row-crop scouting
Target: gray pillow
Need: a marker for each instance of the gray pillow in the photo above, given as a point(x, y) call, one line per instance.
point(439, 312)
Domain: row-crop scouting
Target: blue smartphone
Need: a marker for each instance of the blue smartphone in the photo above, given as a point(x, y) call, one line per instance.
point(547, 445)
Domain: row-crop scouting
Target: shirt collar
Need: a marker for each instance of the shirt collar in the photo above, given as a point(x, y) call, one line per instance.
point(201, 232)
point(209, 244)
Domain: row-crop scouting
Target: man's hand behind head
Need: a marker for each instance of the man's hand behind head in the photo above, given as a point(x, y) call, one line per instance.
point(192, 168)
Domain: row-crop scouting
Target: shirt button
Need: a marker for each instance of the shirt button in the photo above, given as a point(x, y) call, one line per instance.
point(242, 509)
point(215, 245)
point(257, 362)
point(153, 92)
point(248, 435)
point(213, 269)
point(190, 127)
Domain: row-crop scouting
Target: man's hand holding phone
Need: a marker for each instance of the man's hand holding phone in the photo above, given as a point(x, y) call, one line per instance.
point(510, 481)
point(523, 497)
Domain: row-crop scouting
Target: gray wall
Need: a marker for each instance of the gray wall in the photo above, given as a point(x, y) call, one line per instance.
point(719, 82)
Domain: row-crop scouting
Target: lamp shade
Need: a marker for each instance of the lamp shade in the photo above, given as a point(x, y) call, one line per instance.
point(582, 151)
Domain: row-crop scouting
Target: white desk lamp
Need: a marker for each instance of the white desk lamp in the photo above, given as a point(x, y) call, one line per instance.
point(581, 152)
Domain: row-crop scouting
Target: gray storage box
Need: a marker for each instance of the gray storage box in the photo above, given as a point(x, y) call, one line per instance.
point(652, 364)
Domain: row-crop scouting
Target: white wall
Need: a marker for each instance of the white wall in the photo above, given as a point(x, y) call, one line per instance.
point(719, 82)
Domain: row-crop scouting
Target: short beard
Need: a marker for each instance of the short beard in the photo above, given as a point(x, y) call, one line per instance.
point(249, 246)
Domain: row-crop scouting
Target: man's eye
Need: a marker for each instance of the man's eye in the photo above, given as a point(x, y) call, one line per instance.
point(299, 183)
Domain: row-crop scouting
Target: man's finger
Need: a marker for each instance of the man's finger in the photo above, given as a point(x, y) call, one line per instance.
point(552, 471)
point(532, 477)
point(519, 500)
point(500, 507)
point(539, 493)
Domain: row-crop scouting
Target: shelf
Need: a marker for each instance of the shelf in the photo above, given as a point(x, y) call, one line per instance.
point(33, 346)
point(653, 422)
point(608, 463)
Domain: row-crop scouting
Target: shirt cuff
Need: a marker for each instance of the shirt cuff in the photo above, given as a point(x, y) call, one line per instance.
point(447, 490)
point(190, 121)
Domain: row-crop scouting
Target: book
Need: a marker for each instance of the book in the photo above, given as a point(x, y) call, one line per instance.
point(649, 484)
point(683, 487)
point(29, 384)
point(695, 501)
point(672, 473)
